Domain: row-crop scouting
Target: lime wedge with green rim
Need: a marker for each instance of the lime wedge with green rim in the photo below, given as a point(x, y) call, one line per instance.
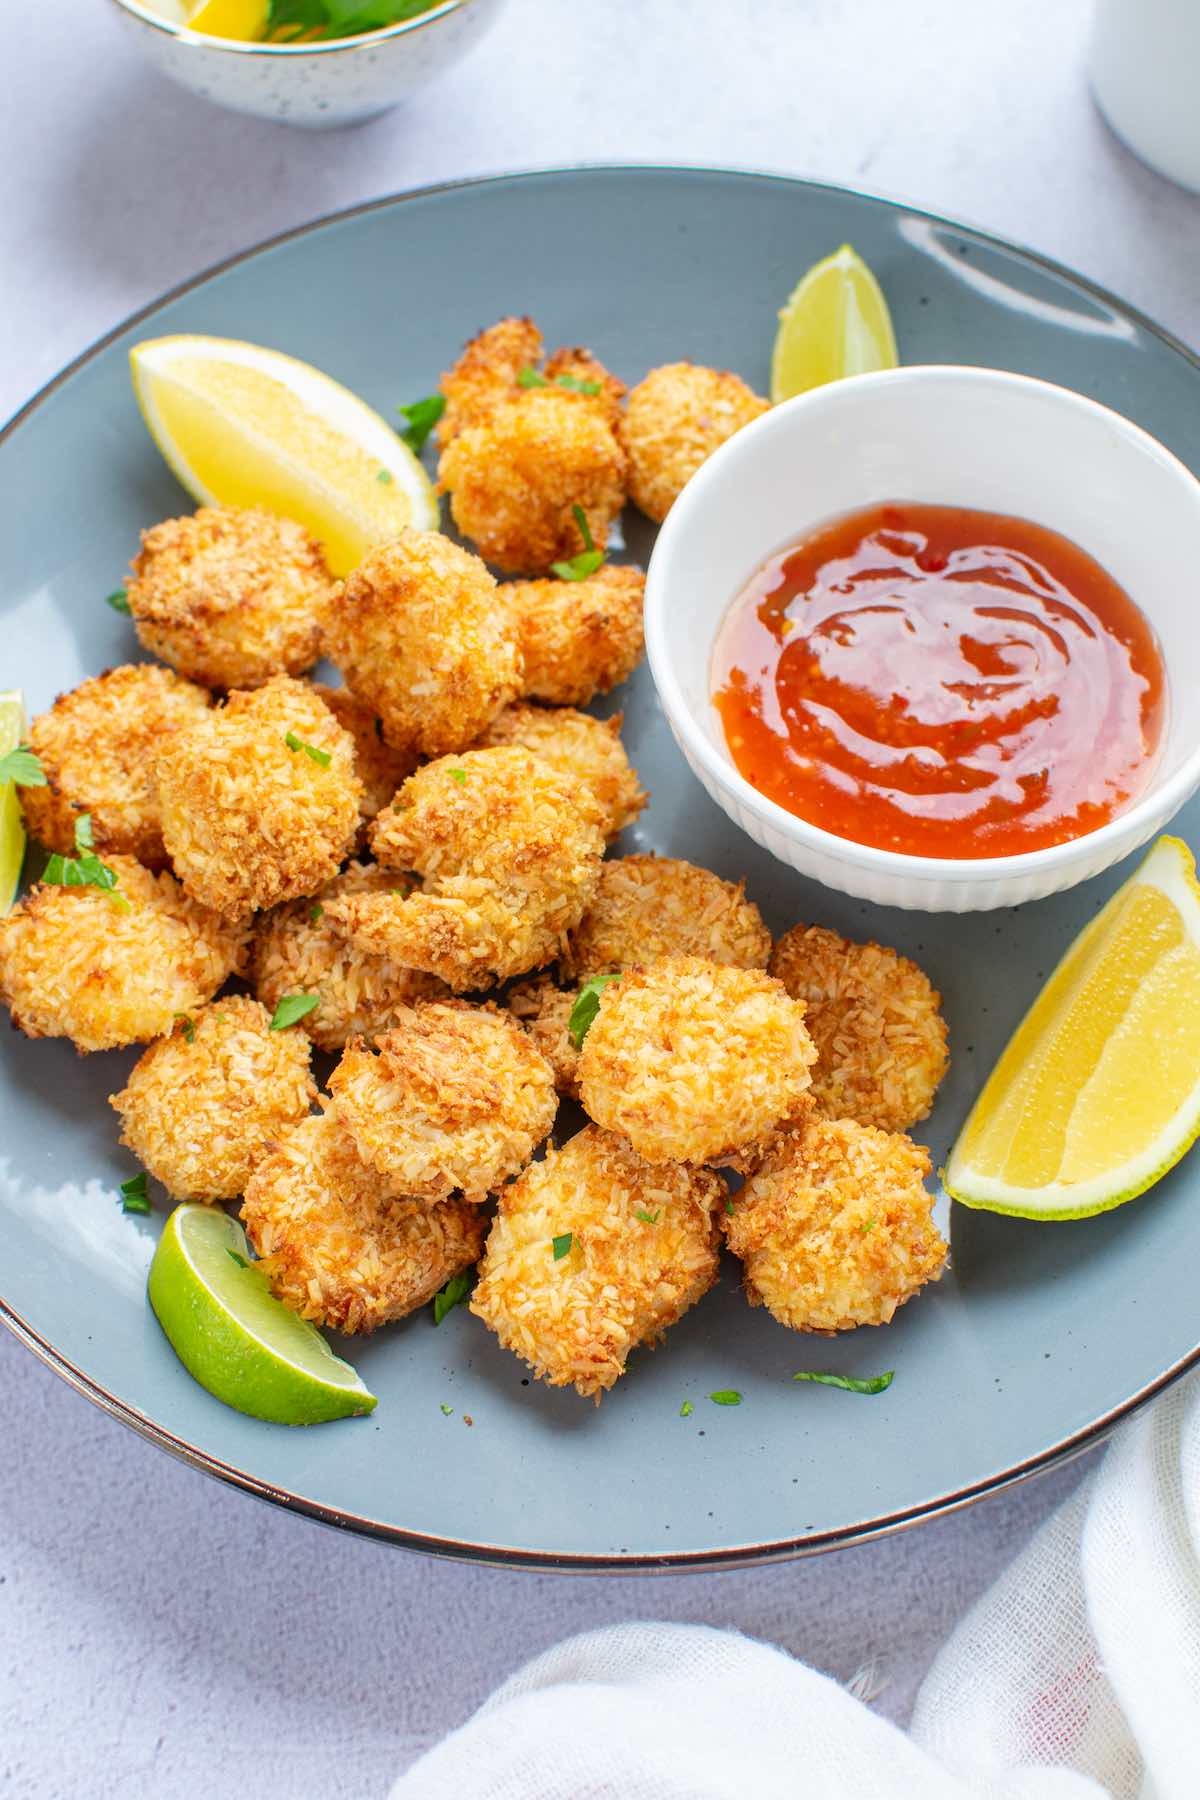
point(12, 825)
point(836, 323)
point(1098, 1093)
point(232, 1334)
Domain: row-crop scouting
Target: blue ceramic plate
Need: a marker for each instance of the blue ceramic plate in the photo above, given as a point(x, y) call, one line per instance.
point(1038, 1338)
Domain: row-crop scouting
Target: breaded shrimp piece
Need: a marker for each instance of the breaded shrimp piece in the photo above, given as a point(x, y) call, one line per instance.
point(544, 1009)
point(874, 1017)
point(230, 595)
point(645, 907)
point(421, 638)
point(336, 1247)
point(576, 369)
point(581, 749)
point(298, 951)
point(97, 745)
point(695, 1061)
point(259, 798)
point(380, 768)
point(510, 853)
point(835, 1228)
point(202, 1107)
point(642, 1248)
point(75, 963)
point(486, 373)
point(514, 478)
point(453, 1098)
point(578, 638)
point(676, 417)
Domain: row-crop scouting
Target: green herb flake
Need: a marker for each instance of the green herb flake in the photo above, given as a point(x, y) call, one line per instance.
point(868, 1224)
point(447, 1298)
point(118, 600)
point(386, 477)
point(23, 767)
point(134, 1198)
point(530, 378)
point(686, 1410)
point(447, 1411)
point(589, 558)
point(873, 1384)
point(292, 1007)
point(84, 870)
point(562, 1245)
point(586, 1006)
point(186, 1026)
point(459, 775)
point(648, 1218)
point(729, 1206)
point(239, 1260)
point(316, 913)
point(288, 20)
point(726, 1397)
point(575, 384)
point(83, 832)
point(422, 416)
point(321, 757)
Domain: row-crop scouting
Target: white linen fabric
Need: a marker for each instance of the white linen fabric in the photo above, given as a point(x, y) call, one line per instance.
point(1076, 1676)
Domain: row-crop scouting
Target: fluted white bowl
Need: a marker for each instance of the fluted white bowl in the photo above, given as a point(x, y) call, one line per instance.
point(341, 82)
point(956, 437)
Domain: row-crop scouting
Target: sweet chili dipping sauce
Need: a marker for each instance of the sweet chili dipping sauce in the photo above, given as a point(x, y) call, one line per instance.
point(940, 681)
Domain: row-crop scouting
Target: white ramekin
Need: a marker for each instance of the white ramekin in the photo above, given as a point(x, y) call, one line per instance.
point(958, 437)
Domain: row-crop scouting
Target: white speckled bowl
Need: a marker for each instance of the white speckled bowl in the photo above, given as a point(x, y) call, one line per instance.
point(962, 437)
point(319, 86)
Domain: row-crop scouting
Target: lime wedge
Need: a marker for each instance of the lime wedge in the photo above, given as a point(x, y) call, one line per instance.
point(836, 323)
point(12, 825)
point(234, 1337)
point(1097, 1094)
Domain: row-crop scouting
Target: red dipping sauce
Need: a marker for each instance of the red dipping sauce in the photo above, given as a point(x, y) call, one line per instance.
point(940, 681)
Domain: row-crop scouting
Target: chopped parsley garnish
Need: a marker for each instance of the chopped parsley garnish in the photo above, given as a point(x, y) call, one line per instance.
point(729, 1206)
point(873, 1384)
point(562, 1245)
point(133, 1194)
point(648, 1218)
point(86, 869)
point(726, 1397)
point(422, 416)
point(321, 757)
point(528, 377)
point(316, 913)
point(293, 1007)
point(239, 1260)
point(589, 558)
point(447, 1298)
point(447, 1411)
point(459, 775)
point(288, 20)
point(118, 600)
point(23, 766)
point(186, 1026)
point(868, 1224)
point(686, 1410)
point(386, 477)
point(574, 384)
point(587, 1006)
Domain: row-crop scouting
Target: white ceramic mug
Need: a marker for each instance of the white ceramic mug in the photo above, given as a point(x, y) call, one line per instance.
point(1146, 79)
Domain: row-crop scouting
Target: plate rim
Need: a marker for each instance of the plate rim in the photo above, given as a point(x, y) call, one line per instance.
point(506, 1556)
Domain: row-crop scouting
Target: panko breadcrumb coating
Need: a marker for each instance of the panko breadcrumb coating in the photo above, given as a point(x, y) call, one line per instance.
point(201, 1107)
point(676, 417)
point(510, 853)
point(645, 907)
point(97, 745)
point(453, 1098)
point(836, 1227)
point(75, 963)
point(875, 1019)
point(581, 749)
point(297, 950)
point(486, 373)
point(544, 1009)
point(514, 477)
point(380, 768)
point(643, 1249)
point(248, 820)
point(336, 1247)
point(422, 638)
point(578, 638)
point(231, 595)
point(695, 1061)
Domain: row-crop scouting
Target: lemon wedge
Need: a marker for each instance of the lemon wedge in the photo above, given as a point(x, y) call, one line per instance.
point(244, 426)
point(12, 825)
point(1097, 1094)
point(245, 21)
point(835, 323)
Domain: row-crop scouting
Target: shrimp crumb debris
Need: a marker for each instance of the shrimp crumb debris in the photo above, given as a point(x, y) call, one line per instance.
point(230, 595)
point(636, 1245)
point(696, 1062)
point(676, 417)
point(509, 852)
point(581, 749)
point(578, 638)
point(876, 1021)
point(336, 1246)
point(107, 969)
point(201, 1107)
point(259, 798)
point(454, 1097)
point(835, 1228)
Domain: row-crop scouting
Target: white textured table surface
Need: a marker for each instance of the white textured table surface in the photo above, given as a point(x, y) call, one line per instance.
point(160, 1634)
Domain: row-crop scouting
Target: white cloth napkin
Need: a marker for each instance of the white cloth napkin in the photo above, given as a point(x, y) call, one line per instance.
point(1077, 1675)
